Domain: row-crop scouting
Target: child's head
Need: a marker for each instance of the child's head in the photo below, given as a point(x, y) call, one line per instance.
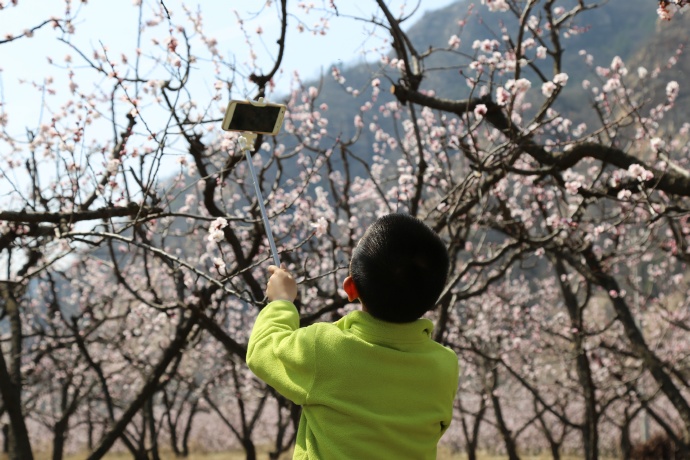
point(399, 268)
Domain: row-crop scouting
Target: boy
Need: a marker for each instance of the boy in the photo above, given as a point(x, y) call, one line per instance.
point(373, 385)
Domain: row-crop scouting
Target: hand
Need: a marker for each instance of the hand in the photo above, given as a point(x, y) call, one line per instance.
point(281, 285)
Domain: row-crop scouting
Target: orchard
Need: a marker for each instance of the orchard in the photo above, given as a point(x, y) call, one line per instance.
point(134, 259)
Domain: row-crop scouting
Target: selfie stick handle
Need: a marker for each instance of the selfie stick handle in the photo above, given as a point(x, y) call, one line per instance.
point(246, 142)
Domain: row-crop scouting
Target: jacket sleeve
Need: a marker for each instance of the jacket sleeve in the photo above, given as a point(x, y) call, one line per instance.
point(281, 353)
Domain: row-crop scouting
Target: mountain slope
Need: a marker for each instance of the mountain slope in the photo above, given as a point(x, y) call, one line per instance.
point(624, 28)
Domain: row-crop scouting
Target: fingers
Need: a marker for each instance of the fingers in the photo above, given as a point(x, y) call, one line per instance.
point(272, 269)
point(281, 285)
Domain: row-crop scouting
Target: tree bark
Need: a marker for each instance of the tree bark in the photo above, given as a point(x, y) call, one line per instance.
point(147, 392)
point(19, 445)
point(590, 432)
point(639, 346)
point(506, 434)
point(151, 426)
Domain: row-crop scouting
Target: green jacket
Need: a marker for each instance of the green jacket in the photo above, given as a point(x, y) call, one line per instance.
point(369, 389)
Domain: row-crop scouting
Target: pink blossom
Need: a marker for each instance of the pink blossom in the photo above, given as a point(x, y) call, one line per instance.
point(617, 64)
point(454, 42)
point(541, 52)
point(479, 111)
point(611, 85)
point(636, 171)
point(573, 186)
point(172, 44)
point(113, 165)
point(518, 86)
point(502, 96)
point(665, 11)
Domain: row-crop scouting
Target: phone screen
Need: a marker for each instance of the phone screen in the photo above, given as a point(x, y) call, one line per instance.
point(247, 117)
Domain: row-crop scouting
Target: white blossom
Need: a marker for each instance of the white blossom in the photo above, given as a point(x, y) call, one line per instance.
point(624, 194)
point(320, 226)
point(672, 89)
point(454, 42)
point(496, 5)
point(480, 110)
point(216, 236)
point(548, 88)
point(518, 86)
point(657, 143)
point(219, 263)
point(561, 79)
point(215, 231)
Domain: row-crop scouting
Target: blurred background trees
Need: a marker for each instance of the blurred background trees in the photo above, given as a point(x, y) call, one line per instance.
point(545, 141)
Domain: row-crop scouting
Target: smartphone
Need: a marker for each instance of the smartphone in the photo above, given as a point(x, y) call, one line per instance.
point(262, 118)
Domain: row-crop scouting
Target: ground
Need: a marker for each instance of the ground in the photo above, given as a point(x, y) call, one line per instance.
point(264, 456)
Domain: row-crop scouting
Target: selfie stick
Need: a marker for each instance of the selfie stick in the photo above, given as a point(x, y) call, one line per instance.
point(246, 142)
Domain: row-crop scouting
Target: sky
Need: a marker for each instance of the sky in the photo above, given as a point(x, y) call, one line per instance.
point(114, 23)
point(98, 21)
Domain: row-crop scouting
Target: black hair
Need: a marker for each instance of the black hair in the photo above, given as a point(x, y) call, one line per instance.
point(399, 267)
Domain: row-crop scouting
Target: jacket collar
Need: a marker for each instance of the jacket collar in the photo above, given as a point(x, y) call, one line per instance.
point(361, 322)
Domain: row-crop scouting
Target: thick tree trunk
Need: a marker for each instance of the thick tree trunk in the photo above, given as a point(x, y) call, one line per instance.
point(19, 445)
point(506, 434)
point(151, 426)
point(5, 438)
point(639, 346)
point(188, 429)
point(249, 449)
point(59, 437)
point(554, 445)
point(472, 439)
point(146, 392)
point(625, 442)
point(172, 425)
point(17, 442)
point(89, 427)
point(590, 432)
